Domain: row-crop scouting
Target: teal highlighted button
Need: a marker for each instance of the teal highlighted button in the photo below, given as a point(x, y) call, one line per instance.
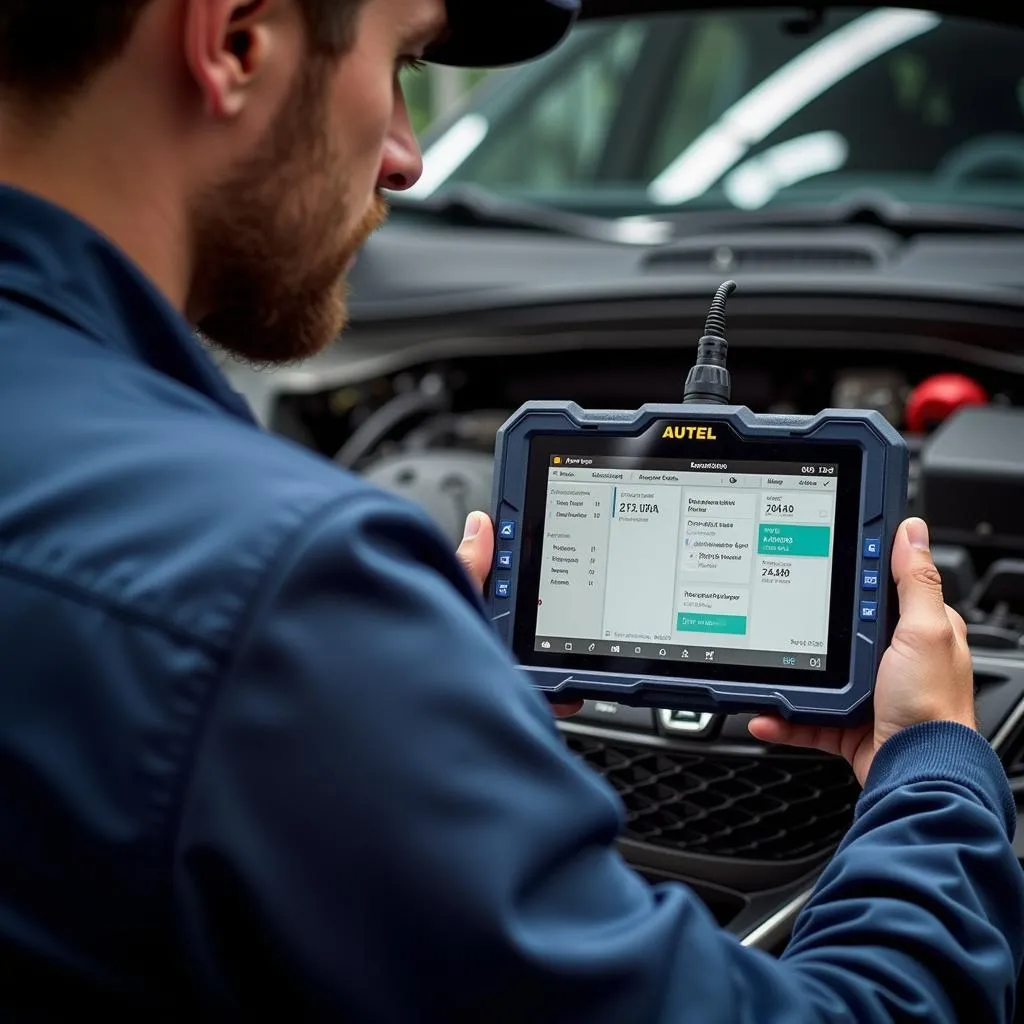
point(781, 539)
point(690, 622)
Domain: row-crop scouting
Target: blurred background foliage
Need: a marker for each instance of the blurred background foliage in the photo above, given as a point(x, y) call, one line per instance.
point(432, 91)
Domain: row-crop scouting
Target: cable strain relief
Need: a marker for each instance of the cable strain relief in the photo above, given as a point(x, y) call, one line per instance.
point(712, 351)
point(707, 383)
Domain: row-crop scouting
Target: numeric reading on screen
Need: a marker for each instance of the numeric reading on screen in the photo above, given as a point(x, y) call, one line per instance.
point(733, 558)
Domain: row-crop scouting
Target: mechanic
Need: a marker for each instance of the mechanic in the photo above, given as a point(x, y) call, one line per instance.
point(261, 751)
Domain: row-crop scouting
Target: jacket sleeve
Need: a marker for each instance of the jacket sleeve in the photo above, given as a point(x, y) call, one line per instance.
point(382, 824)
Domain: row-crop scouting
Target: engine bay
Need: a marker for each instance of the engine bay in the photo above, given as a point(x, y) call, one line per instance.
point(426, 429)
point(415, 406)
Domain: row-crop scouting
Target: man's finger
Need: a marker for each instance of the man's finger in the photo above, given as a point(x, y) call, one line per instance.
point(917, 580)
point(566, 710)
point(477, 548)
point(769, 729)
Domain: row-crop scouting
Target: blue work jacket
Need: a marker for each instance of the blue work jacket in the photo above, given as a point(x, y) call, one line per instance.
point(262, 756)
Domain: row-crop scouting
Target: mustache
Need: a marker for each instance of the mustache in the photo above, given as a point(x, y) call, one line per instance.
point(375, 216)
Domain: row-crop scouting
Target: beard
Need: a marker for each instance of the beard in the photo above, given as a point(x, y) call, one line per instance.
point(274, 241)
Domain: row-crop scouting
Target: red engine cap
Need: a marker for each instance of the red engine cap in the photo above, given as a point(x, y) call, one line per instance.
point(937, 397)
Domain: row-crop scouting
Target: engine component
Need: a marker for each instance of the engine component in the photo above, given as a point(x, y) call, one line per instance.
point(972, 478)
point(935, 399)
point(407, 407)
point(881, 390)
point(996, 618)
point(956, 567)
point(447, 485)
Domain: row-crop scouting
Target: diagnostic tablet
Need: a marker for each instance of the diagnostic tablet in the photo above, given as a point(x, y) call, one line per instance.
point(698, 556)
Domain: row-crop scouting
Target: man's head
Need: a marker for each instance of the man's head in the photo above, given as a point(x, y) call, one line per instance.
point(237, 150)
point(268, 128)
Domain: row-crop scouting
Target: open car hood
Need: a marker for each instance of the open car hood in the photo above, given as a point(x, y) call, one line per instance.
point(1006, 12)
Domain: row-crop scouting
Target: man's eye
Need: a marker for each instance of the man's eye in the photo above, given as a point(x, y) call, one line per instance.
point(411, 64)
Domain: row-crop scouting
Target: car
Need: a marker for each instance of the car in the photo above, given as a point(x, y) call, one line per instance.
point(859, 172)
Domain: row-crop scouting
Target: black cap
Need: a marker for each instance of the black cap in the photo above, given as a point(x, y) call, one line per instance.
point(481, 37)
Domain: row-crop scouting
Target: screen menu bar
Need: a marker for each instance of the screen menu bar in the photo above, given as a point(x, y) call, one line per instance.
point(689, 654)
point(709, 465)
point(713, 474)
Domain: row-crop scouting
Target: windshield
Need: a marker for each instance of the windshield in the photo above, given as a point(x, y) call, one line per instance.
point(744, 109)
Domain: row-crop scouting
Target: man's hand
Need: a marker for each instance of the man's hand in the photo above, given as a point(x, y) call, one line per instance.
point(925, 675)
point(476, 553)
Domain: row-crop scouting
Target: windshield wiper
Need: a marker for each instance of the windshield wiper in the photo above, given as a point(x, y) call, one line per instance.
point(867, 207)
point(468, 205)
point(473, 206)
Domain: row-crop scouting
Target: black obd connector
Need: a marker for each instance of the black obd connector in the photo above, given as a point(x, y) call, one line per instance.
point(708, 381)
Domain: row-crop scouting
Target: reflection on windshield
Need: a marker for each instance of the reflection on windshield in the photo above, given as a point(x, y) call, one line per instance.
point(758, 180)
point(734, 109)
point(780, 96)
point(449, 152)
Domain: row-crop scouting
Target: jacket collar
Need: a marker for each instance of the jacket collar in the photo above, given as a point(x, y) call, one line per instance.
point(58, 263)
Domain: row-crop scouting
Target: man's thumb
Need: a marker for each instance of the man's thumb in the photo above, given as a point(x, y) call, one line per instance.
point(477, 548)
point(917, 580)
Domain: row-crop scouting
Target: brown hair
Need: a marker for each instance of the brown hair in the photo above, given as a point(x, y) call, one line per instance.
point(49, 49)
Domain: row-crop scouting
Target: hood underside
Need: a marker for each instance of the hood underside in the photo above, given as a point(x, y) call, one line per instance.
point(1006, 12)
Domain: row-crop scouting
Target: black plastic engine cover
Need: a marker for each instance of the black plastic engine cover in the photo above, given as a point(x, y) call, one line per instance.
point(972, 478)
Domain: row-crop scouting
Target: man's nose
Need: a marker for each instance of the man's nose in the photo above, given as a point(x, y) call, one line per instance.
point(402, 161)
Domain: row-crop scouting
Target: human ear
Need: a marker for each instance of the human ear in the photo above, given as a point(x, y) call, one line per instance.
point(227, 43)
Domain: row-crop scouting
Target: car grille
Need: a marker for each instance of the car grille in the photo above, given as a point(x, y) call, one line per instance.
point(776, 809)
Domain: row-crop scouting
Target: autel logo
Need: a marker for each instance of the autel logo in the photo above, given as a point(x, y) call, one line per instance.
point(690, 433)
